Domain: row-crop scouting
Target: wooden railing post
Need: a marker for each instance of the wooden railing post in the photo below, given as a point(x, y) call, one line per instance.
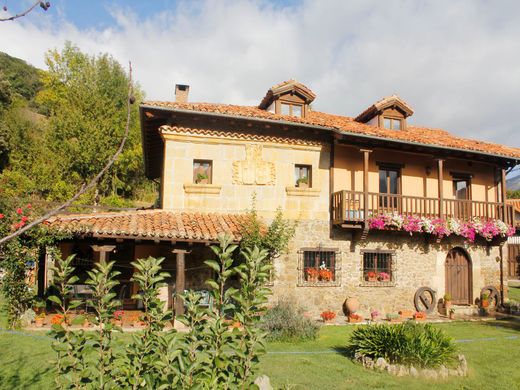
point(366, 154)
point(504, 197)
point(440, 168)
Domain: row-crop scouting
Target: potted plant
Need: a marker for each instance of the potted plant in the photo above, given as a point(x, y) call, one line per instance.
point(452, 313)
point(419, 316)
point(374, 314)
point(311, 274)
point(325, 275)
point(202, 178)
point(484, 300)
point(39, 320)
point(371, 276)
point(303, 182)
point(393, 317)
point(353, 318)
point(118, 317)
point(383, 276)
point(406, 313)
point(327, 316)
point(39, 306)
point(447, 302)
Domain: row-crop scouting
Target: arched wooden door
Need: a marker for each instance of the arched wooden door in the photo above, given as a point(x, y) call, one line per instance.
point(458, 277)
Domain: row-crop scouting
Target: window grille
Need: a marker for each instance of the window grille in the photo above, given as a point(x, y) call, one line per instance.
point(319, 267)
point(378, 268)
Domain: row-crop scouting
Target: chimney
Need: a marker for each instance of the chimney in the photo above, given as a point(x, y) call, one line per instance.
point(181, 93)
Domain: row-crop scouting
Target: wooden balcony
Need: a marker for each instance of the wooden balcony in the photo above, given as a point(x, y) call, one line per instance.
point(354, 207)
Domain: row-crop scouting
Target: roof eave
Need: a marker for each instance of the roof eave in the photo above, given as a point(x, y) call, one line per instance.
point(331, 129)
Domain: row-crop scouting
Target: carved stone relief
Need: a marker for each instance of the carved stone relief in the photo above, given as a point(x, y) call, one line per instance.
point(253, 170)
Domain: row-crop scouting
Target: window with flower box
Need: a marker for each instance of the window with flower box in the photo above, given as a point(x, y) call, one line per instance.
point(378, 268)
point(319, 267)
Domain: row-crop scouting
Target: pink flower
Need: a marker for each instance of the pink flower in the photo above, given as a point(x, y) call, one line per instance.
point(19, 211)
point(377, 223)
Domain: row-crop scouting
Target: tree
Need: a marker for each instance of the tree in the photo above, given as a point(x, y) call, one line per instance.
point(85, 98)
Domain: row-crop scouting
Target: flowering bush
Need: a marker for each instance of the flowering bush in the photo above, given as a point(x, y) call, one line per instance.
point(328, 315)
point(326, 275)
point(57, 319)
point(374, 313)
point(118, 315)
point(311, 273)
point(488, 229)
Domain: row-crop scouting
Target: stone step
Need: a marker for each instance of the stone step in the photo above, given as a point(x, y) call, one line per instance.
point(467, 310)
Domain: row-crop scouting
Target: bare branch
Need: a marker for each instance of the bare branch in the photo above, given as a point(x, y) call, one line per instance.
point(44, 5)
point(85, 187)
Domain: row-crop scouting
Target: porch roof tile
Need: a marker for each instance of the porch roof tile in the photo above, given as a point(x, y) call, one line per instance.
point(152, 225)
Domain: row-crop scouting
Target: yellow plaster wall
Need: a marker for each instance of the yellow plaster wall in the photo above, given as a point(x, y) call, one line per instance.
point(181, 151)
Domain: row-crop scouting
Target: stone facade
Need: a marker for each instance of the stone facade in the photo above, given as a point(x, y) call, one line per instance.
point(416, 263)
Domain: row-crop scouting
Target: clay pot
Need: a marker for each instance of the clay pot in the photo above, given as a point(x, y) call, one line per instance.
point(447, 306)
point(38, 322)
point(352, 305)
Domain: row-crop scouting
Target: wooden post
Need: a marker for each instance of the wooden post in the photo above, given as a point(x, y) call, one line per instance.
point(331, 180)
point(504, 196)
point(180, 279)
point(366, 154)
point(440, 169)
point(103, 251)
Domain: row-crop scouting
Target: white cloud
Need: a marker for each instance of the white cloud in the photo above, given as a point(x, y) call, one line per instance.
point(456, 63)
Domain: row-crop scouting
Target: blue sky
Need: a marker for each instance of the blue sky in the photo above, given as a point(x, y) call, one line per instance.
point(455, 62)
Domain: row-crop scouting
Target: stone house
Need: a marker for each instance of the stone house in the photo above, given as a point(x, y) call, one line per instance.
point(371, 195)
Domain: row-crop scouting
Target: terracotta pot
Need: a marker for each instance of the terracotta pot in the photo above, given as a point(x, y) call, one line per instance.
point(406, 313)
point(447, 306)
point(202, 181)
point(86, 324)
point(38, 322)
point(374, 318)
point(312, 279)
point(352, 304)
point(372, 278)
point(355, 320)
point(303, 185)
point(452, 316)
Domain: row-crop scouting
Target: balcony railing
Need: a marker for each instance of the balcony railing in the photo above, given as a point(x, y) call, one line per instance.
point(349, 206)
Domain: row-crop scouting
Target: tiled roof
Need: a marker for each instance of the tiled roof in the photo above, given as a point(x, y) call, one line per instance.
point(380, 105)
point(347, 125)
point(151, 225)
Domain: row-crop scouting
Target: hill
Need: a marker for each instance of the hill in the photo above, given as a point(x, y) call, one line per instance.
point(513, 184)
point(25, 79)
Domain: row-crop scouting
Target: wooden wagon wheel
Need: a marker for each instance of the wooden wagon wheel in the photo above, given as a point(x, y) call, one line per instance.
point(425, 299)
point(494, 295)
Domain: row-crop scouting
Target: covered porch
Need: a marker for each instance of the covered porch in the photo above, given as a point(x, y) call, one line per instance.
point(181, 238)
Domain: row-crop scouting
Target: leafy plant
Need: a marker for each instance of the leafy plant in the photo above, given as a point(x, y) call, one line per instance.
point(285, 322)
point(447, 297)
point(409, 343)
point(201, 176)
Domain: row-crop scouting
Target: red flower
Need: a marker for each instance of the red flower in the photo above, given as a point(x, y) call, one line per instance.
point(19, 211)
point(25, 219)
point(2, 216)
point(29, 206)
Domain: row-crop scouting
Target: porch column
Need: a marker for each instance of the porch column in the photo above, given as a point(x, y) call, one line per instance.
point(366, 154)
point(504, 196)
point(180, 279)
point(440, 170)
point(103, 251)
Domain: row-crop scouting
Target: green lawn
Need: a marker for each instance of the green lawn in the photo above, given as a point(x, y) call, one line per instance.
point(493, 353)
point(514, 293)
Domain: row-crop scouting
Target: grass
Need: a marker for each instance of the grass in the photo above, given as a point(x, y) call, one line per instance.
point(493, 355)
point(514, 293)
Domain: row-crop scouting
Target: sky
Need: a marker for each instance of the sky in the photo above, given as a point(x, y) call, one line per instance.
point(456, 62)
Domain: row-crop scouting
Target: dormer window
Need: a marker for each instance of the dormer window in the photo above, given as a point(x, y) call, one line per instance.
point(289, 98)
point(392, 123)
point(291, 109)
point(390, 113)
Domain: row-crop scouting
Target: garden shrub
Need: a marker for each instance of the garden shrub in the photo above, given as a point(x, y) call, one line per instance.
point(409, 343)
point(285, 322)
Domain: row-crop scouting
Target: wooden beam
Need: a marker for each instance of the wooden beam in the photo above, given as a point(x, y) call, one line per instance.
point(440, 170)
point(103, 251)
point(366, 154)
point(504, 195)
point(180, 279)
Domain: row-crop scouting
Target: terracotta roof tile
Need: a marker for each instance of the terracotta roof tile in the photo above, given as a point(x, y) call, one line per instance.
point(414, 134)
point(153, 224)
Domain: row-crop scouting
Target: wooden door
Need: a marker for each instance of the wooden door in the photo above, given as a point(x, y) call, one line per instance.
point(458, 277)
point(513, 261)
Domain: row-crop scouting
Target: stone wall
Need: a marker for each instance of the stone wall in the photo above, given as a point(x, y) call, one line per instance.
point(417, 263)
